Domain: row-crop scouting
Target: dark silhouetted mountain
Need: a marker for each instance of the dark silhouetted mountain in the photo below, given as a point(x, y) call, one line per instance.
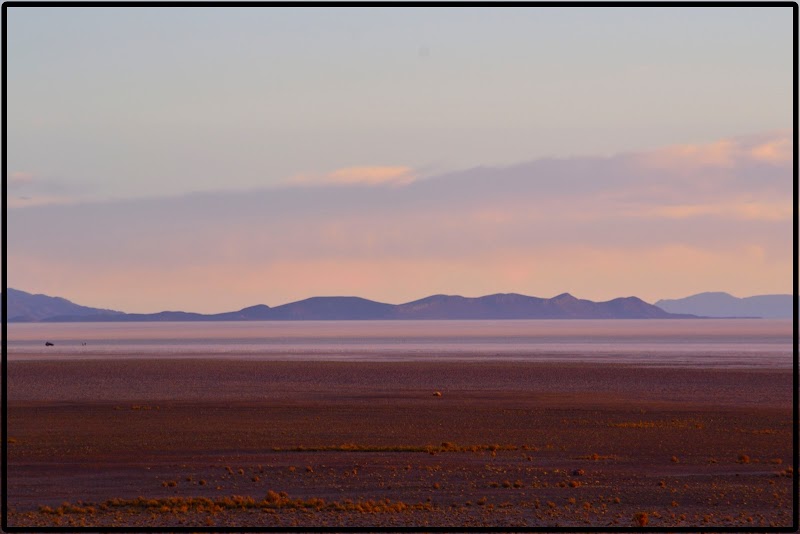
point(253, 313)
point(499, 306)
point(515, 306)
point(720, 304)
point(164, 316)
point(333, 308)
point(27, 307)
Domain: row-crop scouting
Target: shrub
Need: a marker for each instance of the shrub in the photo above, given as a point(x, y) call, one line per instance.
point(641, 519)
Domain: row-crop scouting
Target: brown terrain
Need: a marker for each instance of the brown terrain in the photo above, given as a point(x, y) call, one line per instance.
point(163, 443)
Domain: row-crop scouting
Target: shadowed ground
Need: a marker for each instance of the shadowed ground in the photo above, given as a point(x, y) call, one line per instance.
point(368, 444)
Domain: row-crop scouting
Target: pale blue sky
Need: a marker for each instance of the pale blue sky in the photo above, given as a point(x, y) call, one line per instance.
point(149, 101)
point(209, 159)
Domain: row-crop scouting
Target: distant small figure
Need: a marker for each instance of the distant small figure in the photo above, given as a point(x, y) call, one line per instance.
point(437, 393)
point(84, 343)
point(48, 344)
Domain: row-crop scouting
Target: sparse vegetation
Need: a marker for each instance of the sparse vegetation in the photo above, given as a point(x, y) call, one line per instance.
point(443, 447)
point(271, 501)
point(595, 457)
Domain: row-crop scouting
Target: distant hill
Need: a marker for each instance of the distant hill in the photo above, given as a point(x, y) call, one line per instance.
point(724, 305)
point(515, 306)
point(26, 307)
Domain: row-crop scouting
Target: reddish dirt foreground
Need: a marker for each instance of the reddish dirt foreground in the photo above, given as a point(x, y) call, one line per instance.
point(267, 443)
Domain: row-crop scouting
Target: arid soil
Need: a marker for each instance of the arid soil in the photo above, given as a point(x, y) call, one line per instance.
point(266, 443)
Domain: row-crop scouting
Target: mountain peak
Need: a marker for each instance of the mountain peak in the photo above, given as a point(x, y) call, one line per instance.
point(256, 308)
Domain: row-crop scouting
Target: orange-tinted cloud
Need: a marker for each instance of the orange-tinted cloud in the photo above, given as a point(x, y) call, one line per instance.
point(776, 151)
point(772, 148)
point(743, 210)
point(369, 175)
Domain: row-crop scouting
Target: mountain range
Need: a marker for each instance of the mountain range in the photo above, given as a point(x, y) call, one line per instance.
point(718, 304)
point(26, 307)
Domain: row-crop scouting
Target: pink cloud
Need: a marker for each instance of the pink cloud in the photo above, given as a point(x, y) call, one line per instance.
point(776, 151)
point(31, 201)
point(775, 210)
point(368, 175)
point(772, 148)
point(18, 178)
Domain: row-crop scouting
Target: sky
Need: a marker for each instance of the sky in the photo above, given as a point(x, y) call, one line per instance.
point(208, 159)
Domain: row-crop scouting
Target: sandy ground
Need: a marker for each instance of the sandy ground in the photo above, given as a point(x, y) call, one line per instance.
point(266, 443)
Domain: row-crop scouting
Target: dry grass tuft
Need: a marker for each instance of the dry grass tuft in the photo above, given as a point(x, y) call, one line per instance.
point(596, 457)
point(641, 519)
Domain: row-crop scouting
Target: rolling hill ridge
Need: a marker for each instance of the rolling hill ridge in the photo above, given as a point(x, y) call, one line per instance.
point(25, 307)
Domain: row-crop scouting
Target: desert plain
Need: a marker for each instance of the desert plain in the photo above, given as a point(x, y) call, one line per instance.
point(208, 442)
